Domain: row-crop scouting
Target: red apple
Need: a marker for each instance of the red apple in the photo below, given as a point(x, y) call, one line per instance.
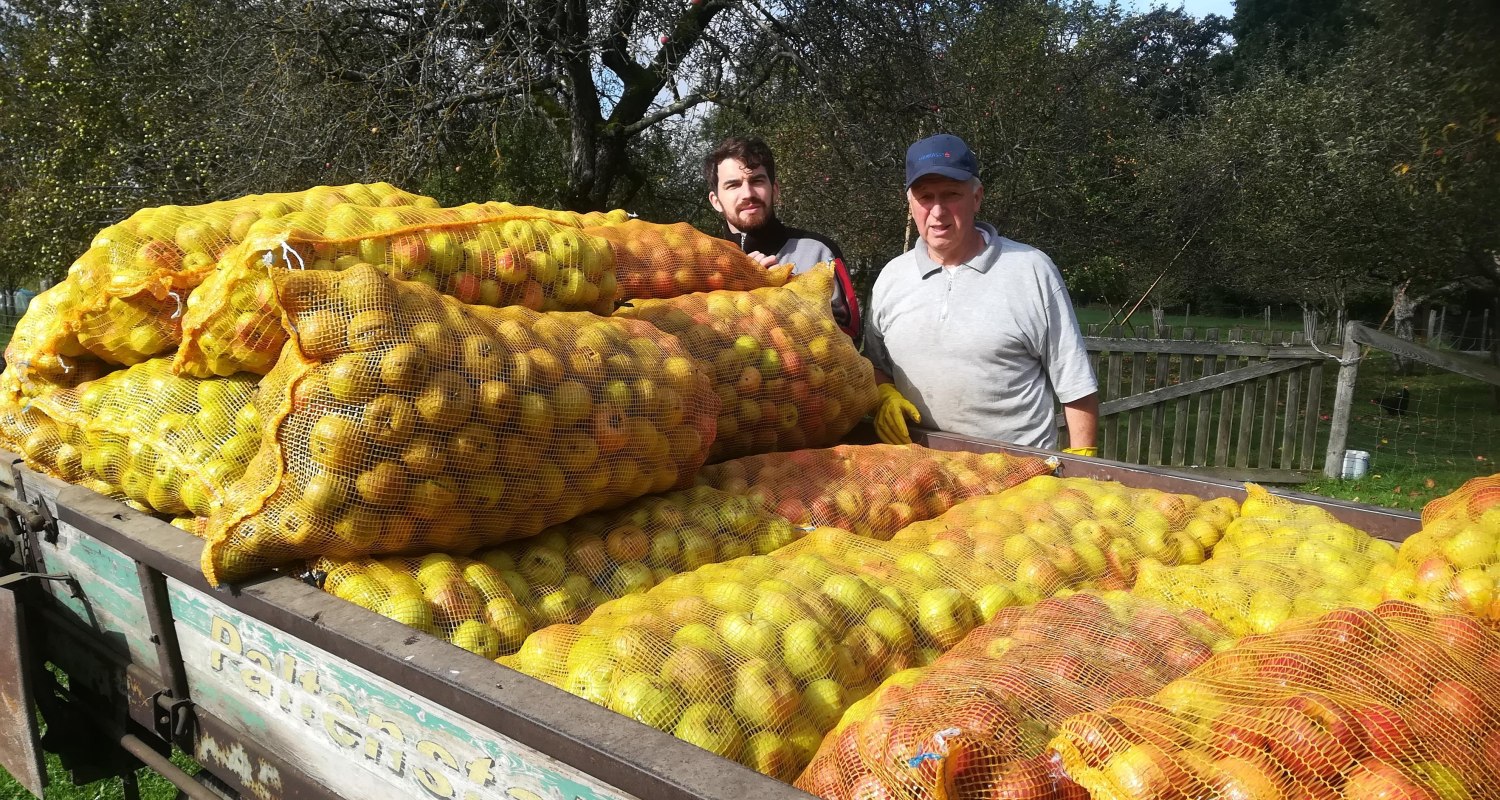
point(1464, 708)
point(1386, 733)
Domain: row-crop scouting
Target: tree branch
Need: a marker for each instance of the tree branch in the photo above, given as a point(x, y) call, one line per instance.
point(489, 95)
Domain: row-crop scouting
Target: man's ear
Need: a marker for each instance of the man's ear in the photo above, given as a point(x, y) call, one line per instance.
point(713, 200)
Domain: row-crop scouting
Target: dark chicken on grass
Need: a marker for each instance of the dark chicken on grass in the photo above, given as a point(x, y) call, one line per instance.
point(1394, 402)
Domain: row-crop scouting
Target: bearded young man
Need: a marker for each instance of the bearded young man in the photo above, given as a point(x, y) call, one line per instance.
point(970, 331)
point(741, 178)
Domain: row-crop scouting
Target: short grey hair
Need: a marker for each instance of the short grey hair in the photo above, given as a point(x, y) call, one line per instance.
point(974, 184)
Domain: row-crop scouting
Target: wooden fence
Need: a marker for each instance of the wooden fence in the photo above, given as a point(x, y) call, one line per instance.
point(1237, 403)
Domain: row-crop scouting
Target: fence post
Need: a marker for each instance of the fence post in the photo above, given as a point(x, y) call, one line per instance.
point(1343, 404)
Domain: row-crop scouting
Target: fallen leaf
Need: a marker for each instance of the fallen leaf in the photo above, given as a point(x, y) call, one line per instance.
point(1396, 490)
point(1429, 483)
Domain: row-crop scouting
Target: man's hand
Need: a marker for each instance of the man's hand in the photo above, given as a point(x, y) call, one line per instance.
point(763, 259)
point(891, 415)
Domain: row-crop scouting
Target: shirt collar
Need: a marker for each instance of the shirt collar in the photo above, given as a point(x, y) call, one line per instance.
point(980, 263)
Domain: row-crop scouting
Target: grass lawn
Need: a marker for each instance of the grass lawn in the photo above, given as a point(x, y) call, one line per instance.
point(1141, 320)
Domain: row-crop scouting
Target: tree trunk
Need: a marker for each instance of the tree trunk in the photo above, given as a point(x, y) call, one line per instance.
point(1403, 311)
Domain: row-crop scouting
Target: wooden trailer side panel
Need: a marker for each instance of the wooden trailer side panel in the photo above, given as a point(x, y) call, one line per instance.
point(353, 731)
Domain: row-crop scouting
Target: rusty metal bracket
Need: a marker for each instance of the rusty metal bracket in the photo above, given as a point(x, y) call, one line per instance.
point(174, 718)
point(29, 517)
point(74, 588)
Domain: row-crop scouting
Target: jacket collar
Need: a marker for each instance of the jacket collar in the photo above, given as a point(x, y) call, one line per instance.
point(768, 238)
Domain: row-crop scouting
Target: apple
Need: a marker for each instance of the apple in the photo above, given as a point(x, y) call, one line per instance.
point(1465, 708)
point(647, 698)
point(765, 696)
point(946, 615)
point(807, 650)
point(1236, 778)
point(700, 674)
point(770, 754)
point(749, 637)
point(1386, 733)
point(1145, 770)
point(824, 701)
point(711, 727)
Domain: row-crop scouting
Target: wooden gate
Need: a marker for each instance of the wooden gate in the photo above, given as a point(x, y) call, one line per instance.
point(1237, 404)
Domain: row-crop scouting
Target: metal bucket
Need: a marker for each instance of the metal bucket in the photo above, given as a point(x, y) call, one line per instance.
point(1356, 464)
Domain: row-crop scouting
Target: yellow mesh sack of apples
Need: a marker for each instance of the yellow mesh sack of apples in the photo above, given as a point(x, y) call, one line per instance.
point(171, 445)
point(399, 420)
point(786, 377)
point(754, 659)
point(133, 282)
point(1279, 560)
point(655, 261)
point(976, 723)
point(1052, 534)
point(44, 346)
point(565, 572)
point(869, 490)
point(234, 320)
point(1394, 703)
point(49, 445)
point(1453, 563)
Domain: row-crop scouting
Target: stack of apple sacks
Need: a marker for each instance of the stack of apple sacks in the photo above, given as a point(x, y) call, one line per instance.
point(976, 723)
point(48, 446)
point(491, 602)
point(122, 300)
point(1279, 560)
point(1453, 563)
point(787, 378)
point(165, 444)
point(1394, 703)
point(869, 490)
point(233, 321)
point(381, 428)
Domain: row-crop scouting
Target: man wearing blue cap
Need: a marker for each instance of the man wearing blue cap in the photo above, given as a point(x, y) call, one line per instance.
point(971, 332)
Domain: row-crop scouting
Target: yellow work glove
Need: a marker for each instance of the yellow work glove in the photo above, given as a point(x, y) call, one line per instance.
point(891, 414)
point(1090, 452)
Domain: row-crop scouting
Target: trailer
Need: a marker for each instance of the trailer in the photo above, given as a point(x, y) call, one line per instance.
point(279, 690)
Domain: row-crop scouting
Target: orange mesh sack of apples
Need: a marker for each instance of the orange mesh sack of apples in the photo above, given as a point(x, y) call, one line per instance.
point(755, 659)
point(563, 573)
point(399, 420)
point(1394, 703)
point(786, 377)
point(976, 723)
point(234, 322)
point(869, 490)
point(1453, 563)
point(168, 444)
point(1279, 560)
point(49, 445)
point(1049, 534)
point(655, 261)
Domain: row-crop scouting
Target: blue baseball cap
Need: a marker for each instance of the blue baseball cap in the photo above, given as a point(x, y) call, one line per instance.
point(943, 154)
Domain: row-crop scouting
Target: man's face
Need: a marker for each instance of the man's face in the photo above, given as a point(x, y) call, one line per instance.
point(747, 198)
point(944, 210)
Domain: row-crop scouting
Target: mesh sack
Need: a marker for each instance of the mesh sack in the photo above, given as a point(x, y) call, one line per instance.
point(1051, 534)
point(756, 658)
point(1398, 703)
point(49, 445)
point(655, 261)
point(869, 490)
point(44, 346)
point(562, 574)
point(134, 280)
point(171, 445)
point(472, 253)
point(386, 414)
point(786, 377)
point(976, 723)
point(1453, 563)
point(1279, 560)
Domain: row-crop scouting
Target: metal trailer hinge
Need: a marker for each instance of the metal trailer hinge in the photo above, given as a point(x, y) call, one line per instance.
point(74, 588)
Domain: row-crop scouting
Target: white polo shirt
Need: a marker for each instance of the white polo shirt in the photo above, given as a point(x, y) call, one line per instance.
point(981, 348)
